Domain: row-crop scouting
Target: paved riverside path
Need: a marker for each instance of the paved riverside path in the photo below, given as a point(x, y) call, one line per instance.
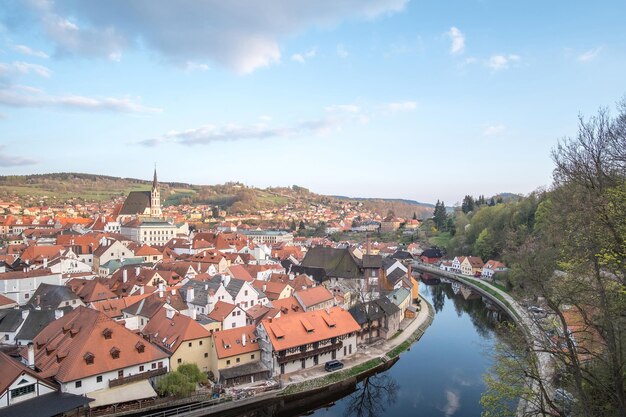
point(528, 323)
point(364, 353)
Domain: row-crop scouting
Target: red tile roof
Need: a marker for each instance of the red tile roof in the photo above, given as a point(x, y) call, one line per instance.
point(62, 347)
point(300, 329)
point(231, 342)
point(169, 333)
point(313, 296)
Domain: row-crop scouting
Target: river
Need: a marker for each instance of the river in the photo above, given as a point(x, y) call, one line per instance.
point(440, 376)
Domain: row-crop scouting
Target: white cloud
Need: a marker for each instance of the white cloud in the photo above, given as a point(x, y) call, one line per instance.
point(23, 68)
point(265, 118)
point(493, 130)
point(500, 62)
point(207, 134)
point(12, 161)
point(458, 41)
point(453, 403)
point(402, 106)
point(241, 38)
point(341, 51)
point(302, 58)
point(589, 55)
point(25, 50)
point(298, 58)
point(348, 108)
point(191, 66)
point(24, 96)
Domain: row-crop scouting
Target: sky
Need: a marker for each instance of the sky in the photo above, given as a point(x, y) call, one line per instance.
point(422, 100)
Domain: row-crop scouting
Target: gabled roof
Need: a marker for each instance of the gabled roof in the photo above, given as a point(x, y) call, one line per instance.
point(432, 253)
point(288, 305)
point(294, 330)
point(136, 203)
point(50, 296)
point(62, 347)
point(169, 333)
point(336, 262)
point(12, 369)
point(372, 261)
point(231, 342)
point(239, 272)
point(36, 321)
point(373, 310)
point(90, 290)
point(221, 310)
point(313, 296)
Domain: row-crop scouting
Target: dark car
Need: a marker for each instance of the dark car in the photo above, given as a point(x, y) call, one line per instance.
point(333, 366)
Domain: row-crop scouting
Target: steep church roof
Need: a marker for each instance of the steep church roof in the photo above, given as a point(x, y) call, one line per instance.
point(136, 203)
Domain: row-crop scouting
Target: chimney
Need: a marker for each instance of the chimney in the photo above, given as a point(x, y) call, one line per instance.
point(190, 294)
point(124, 275)
point(199, 267)
point(58, 313)
point(173, 291)
point(141, 290)
point(25, 314)
point(169, 313)
point(31, 355)
point(45, 262)
point(243, 339)
point(193, 313)
point(137, 270)
point(264, 286)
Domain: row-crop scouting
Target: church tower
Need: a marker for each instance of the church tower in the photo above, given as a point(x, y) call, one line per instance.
point(155, 198)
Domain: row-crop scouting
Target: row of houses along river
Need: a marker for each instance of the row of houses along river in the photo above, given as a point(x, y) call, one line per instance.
point(440, 376)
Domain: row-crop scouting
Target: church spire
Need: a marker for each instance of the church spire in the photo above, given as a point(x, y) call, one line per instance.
point(155, 197)
point(155, 184)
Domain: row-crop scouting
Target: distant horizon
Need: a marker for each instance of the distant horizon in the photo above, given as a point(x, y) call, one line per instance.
point(356, 197)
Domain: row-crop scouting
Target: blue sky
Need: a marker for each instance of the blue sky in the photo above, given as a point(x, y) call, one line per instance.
point(374, 98)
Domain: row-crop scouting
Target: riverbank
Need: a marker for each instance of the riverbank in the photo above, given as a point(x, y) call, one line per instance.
point(368, 360)
point(523, 319)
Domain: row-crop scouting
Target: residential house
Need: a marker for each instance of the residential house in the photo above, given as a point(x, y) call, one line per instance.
point(229, 315)
point(377, 319)
point(491, 268)
point(431, 256)
point(52, 297)
point(85, 351)
point(21, 285)
point(181, 336)
point(471, 265)
point(236, 356)
point(316, 298)
point(299, 341)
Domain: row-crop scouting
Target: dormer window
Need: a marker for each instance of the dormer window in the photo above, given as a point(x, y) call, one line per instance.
point(140, 347)
point(89, 357)
point(107, 333)
point(115, 353)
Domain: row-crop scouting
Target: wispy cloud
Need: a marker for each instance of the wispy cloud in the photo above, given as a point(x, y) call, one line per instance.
point(350, 108)
point(453, 403)
point(191, 66)
point(500, 62)
point(303, 57)
point(589, 55)
point(23, 68)
point(493, 130)
point(191, 30)
point(341, 51)
point(13, 161)
point(25, 50)
point(207, 134)
point(402, 106)
point(458, 41)
point(24, 96)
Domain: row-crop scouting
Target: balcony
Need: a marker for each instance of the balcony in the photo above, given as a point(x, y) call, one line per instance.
point(137, 377)
point(310, 353)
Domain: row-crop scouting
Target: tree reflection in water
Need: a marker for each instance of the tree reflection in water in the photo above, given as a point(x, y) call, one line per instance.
point(372, 396)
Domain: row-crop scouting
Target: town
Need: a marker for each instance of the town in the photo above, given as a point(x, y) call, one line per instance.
point(98, 312)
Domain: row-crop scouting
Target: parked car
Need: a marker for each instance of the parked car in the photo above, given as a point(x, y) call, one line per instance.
point(333, 365)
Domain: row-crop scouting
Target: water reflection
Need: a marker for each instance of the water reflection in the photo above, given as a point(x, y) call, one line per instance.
point(372, 396)
point(441, 375)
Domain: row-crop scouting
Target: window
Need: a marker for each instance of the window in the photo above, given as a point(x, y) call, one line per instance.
point(78, 384)
point(233, 325)
point(89, 358)
point(252, 356)
point(228, 362)
point(180, 360)
point(190, 344)
point(245, 292)
point(115, 353)
point(99, 378)
point(107, 333)
point(141, 368)
point(17, 392)
point(206, 355)
point(6, 337)
point(160, 364)
point(200, 342)
point(120, 373)
point(238, 360)
point(26, 296)
point(154, 366)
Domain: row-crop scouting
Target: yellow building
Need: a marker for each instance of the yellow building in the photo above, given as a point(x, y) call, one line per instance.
point(181, 336)
point(236, 356)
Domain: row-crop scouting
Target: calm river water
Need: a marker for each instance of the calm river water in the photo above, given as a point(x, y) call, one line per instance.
point(441, 376)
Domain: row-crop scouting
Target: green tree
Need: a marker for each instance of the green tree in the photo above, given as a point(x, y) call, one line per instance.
point(440, 217)
point(468, 204)
point(182, 382)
